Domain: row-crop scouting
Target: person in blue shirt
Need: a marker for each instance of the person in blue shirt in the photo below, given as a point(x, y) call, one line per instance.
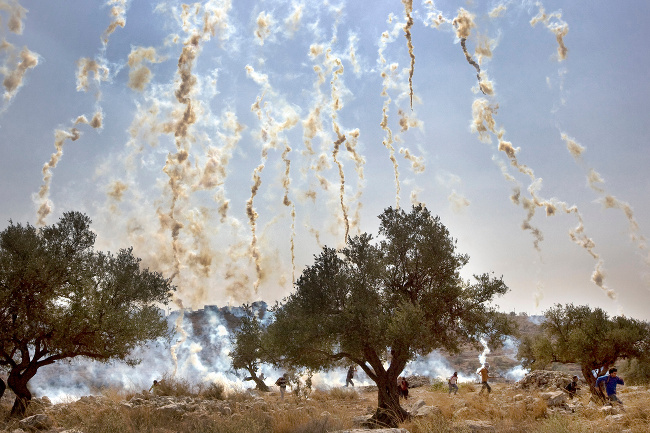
point(611, 380)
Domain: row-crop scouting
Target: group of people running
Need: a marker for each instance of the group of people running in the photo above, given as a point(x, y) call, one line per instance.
point(610, 380)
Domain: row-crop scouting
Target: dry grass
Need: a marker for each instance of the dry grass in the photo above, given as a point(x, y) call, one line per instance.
point(506, 409)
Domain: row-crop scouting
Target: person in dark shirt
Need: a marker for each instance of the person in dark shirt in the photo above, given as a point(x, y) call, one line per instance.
point(282, 383)
point(572, 388)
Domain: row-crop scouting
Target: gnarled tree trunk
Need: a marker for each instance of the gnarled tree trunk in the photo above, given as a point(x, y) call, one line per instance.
point(259, 383)
point(596, 393)
point(389, 411)
point(17, 382)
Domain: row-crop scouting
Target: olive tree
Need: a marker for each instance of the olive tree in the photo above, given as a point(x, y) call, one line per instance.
point(379, 304)
point(248, 352)
point(589, 337)
point(61, 299)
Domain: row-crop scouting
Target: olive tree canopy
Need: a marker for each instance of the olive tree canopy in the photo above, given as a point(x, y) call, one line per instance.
point(578, 334)
point(59, 299)
point(379, 304)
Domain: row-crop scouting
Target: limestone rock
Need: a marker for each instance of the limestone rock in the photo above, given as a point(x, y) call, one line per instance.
point(479, 426)
point(418, 404)
point(425, 411)
point(554, 398)
point(360, 420)
point(544, 379)
point(380, 430)
point(39, 421)
point(615, 418)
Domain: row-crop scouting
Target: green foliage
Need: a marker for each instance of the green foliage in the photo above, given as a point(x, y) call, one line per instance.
point(636, 371)
point(397, 298)
point(248, 352)
point(59, 299)
point(578, 334)
point(247, 342)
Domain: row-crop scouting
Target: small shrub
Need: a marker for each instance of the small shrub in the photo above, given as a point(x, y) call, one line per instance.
point(173, 386)
point(560, 424)
point(213, 391)
point(335, 394)
point(438, 385)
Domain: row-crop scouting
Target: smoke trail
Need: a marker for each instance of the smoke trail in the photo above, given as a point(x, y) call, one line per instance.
point(464, 23)
point(292, 22)
point(482, 358)
point(336, 105)
point(270, 131)
point(555, 25)
point(16, 15)
point(595, 181)
point(408, 9)
point(13, 80)
point(118, 11)
point(140, 75)
point(84, 67)
point(286, 182)
point(264, 23)
point(458, 202)
point(484, 124)
point(95, 122)
point(387, 74)
point(42, 198)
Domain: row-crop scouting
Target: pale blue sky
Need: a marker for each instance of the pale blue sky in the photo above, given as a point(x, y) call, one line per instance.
point(598, 96)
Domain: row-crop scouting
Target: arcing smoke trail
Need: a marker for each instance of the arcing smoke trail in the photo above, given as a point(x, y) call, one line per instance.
point(270, 131)
point(484, 124)
point(387, 74)
point(14, 79)
point(595, 180)
point(408, 9)
point(14, 68)
point(42, 198)
point(118, 10)
point(464, 23)
point(556, 25)
point(337, 104)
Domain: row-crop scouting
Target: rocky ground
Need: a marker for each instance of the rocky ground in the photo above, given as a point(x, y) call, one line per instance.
point(533, 404)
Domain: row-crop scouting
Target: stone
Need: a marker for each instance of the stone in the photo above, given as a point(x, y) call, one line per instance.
point(426, 411)
point(615, 418)
point(608, 410)
point(360, 420)
point(462, 412)
point(39, 421)
point(554, 398)
point(475, 426)
point(379, 430)
point(418, 404)
point(172, 409)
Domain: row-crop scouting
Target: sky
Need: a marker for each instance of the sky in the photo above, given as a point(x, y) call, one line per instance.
point(227, 142)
